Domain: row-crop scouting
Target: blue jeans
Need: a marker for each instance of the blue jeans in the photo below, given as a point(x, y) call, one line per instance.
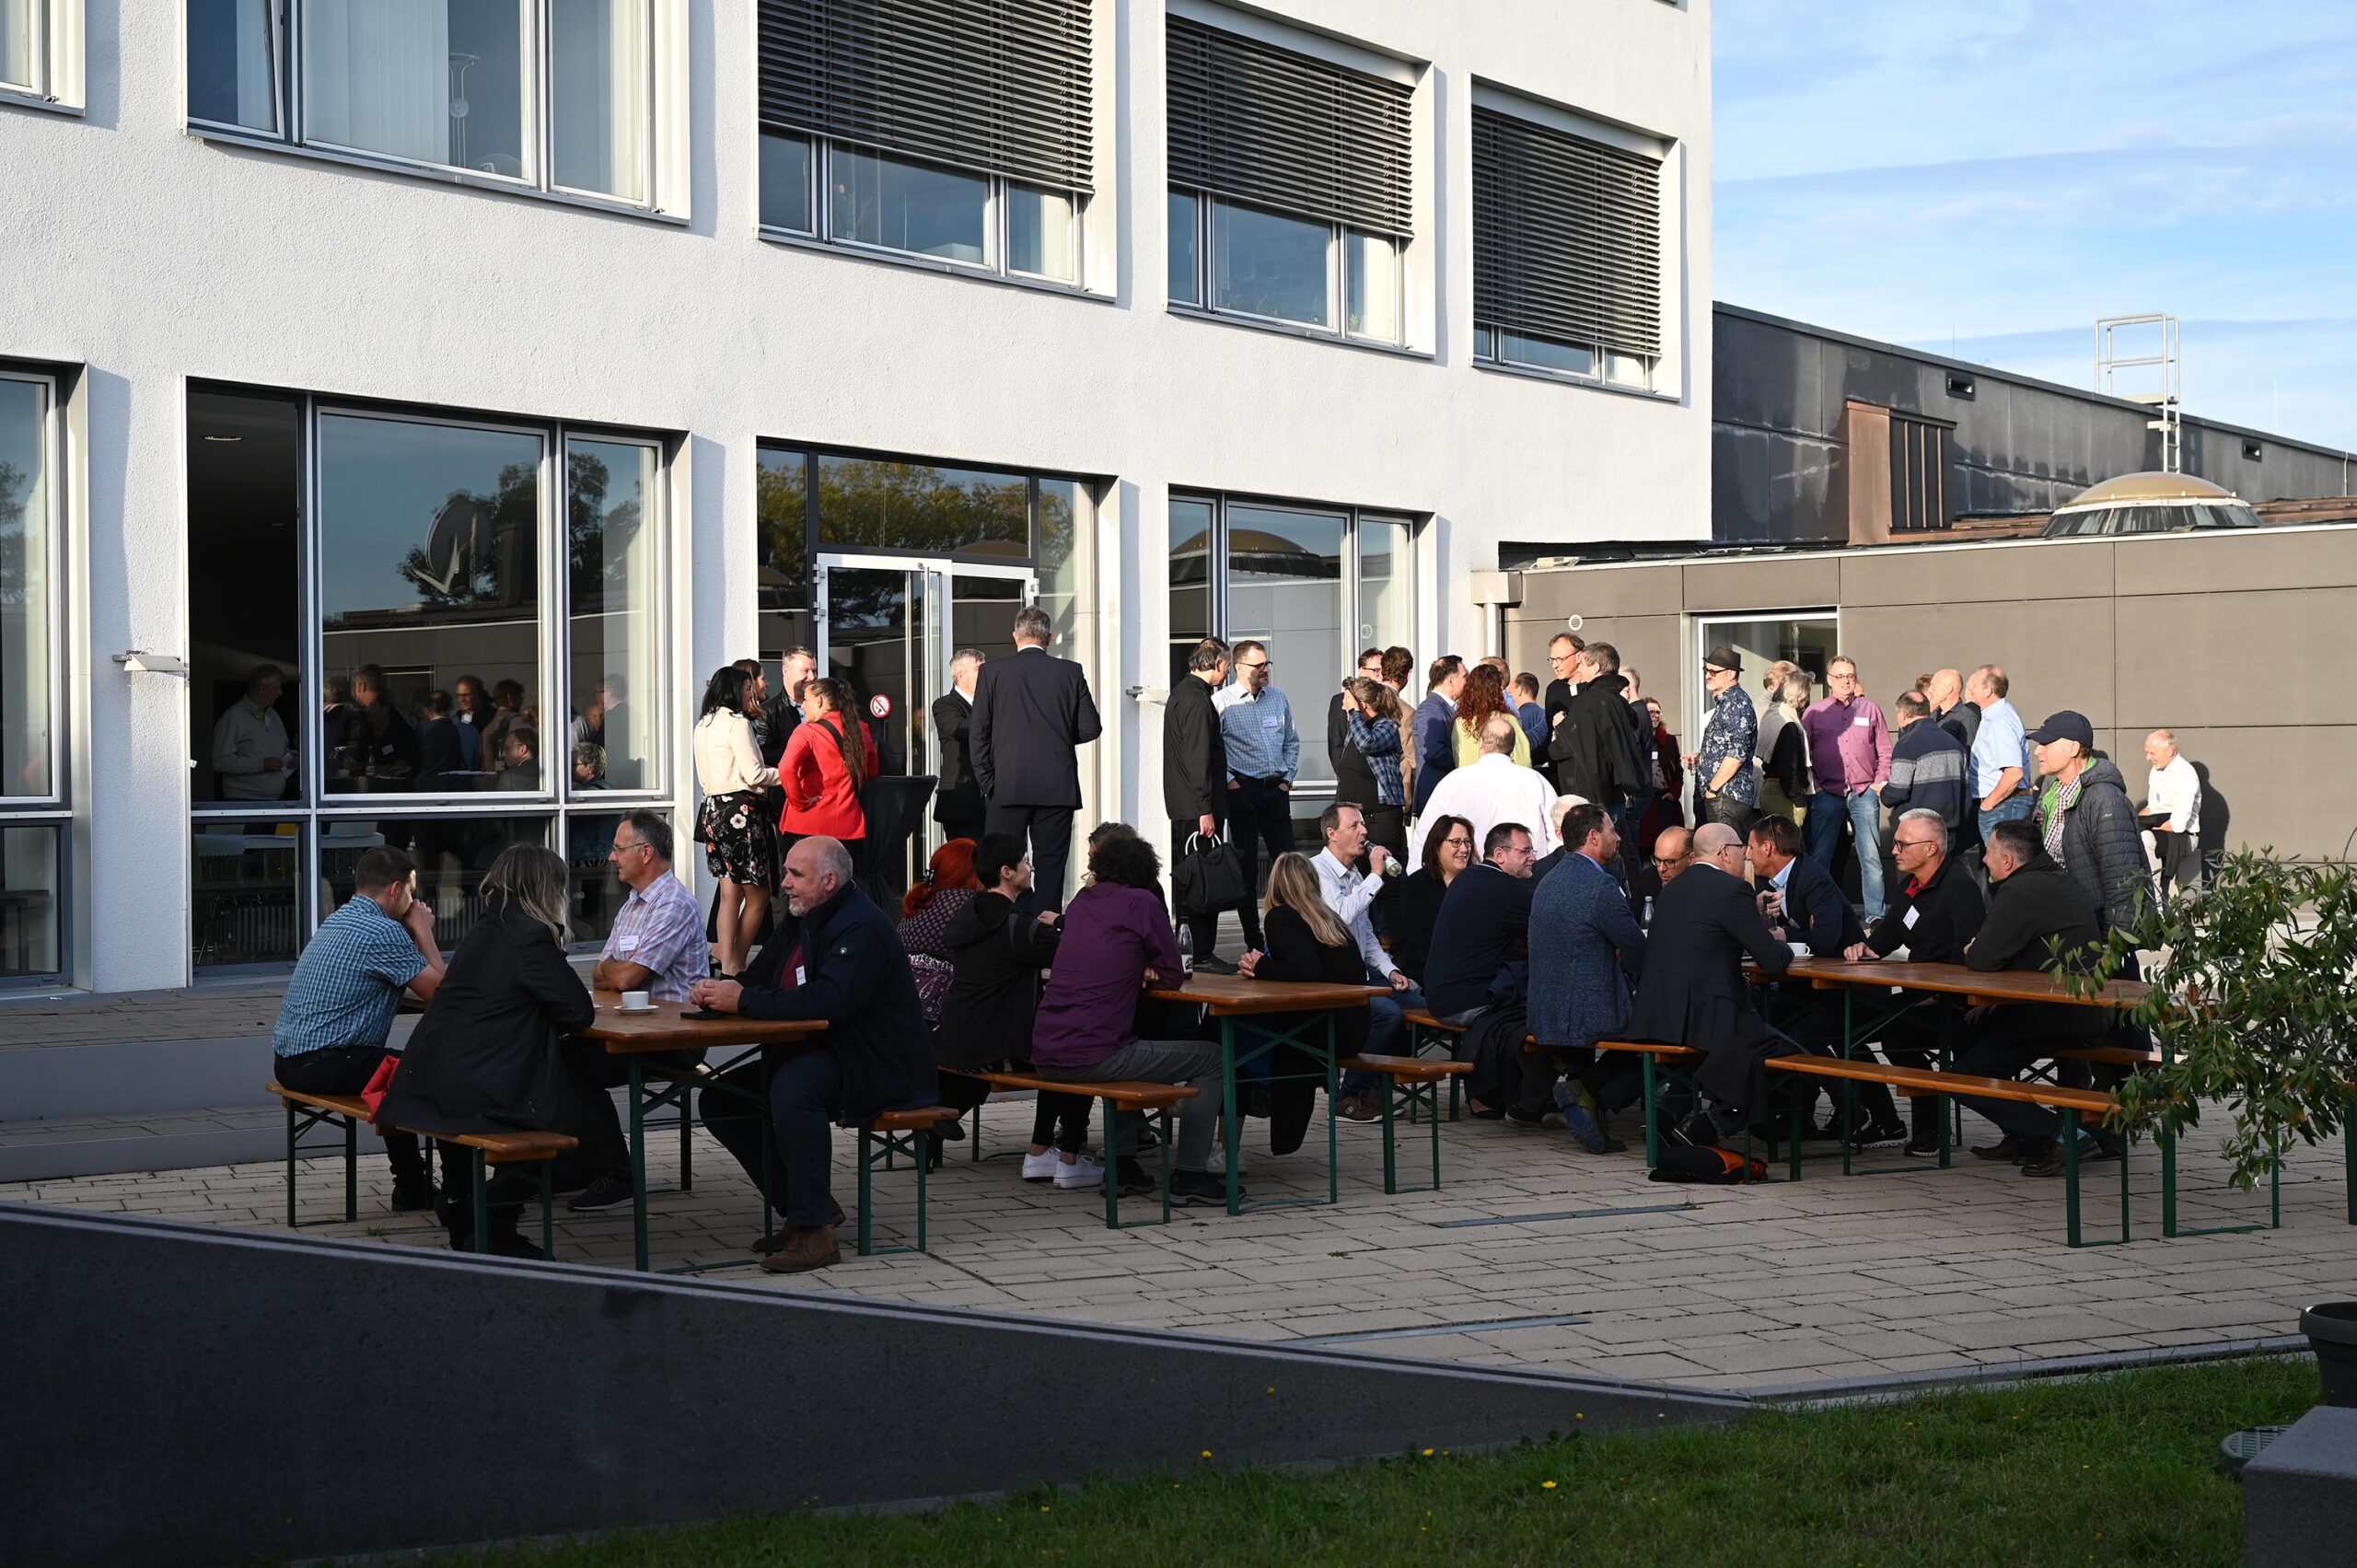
point(1863, 811)
point(2010, 810)
point(1386, 1031)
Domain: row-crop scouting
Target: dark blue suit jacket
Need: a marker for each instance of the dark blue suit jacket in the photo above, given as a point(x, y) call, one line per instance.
point(1579, 917)
point(1436, 748)
point(1815, 913)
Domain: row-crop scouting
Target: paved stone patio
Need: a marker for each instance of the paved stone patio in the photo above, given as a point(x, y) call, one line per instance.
point(1535, 1254)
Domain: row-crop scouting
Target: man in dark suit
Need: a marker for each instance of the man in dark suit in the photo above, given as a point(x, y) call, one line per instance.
point(1194, 777)
point(1801, 903)
point(1563, 651)
point(1480, 940)
point(1435, 747)
point(1693, 991)
point(1580, 920)
point(957, 796)
point(1032, 714)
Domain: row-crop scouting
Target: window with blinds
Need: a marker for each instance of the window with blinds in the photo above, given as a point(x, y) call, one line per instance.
point(1567, 251)
point(1919, 475)
point(995, 87)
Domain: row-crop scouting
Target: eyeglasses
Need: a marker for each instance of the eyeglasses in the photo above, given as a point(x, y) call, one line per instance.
point(1671, 859)
point(622, 844)
point(1262, 665)
point(1457, 844)
point(1911, 843)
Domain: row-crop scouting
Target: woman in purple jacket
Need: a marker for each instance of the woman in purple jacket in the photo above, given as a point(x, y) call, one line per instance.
point(1117, 943)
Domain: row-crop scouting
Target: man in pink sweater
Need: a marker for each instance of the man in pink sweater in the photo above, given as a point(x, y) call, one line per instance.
point(1849, 754)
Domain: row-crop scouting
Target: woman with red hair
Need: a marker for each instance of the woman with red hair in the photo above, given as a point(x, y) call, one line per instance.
point(1484, 694)
point(947, 886)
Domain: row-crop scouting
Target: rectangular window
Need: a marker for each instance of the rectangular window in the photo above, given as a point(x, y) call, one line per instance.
point(1567, 252)
point(907, 206)
point(31, 900)
point(1067, 510)
point(1191, 580)
point(553, 94)
point(1386, 613)
point(247, 709)
point(247, 886)
point(1266, 265)
point(27, 594)
point(785, 184)
point(20, 44)
point(1919, 477)
point(1371, 286)
point(1186, 271)
point(882, 504)
point(615, 616)
point(1042, 234)
point(781, 563)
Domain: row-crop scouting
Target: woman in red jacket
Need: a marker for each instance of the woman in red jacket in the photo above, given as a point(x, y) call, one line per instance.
point(828, 759)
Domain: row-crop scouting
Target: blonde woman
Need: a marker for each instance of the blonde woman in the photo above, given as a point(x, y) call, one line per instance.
point(1307, 942)
point(489, 1055)
point(1784, 750)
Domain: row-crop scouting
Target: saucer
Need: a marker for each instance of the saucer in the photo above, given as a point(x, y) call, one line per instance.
point(637, 1012)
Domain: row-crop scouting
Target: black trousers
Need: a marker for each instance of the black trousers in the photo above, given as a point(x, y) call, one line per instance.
point(2005, 1044)
point(1735, 814)
point(1203, 929)
point(1049, 830)
point(964, 825)
point(345, 1069)
point(1387, 826)
point(1261, 811)
point(605, 1148)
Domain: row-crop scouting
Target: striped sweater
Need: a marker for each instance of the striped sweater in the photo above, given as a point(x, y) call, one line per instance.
point(1927, 768)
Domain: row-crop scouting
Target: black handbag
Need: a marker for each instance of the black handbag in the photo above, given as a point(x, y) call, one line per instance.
point(1209, 877)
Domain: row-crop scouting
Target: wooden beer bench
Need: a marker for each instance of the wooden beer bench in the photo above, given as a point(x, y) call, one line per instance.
point(1149, 1102)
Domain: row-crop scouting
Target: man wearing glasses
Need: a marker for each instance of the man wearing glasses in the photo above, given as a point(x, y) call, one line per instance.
point(1564, 658)
point(1671, 856)
point(1937, 913)
point(1264, 754)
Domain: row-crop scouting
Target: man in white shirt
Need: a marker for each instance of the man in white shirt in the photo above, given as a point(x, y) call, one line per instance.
point(2174, 787)
point(1350, 895)
point(251, 757)
point(1494, 789)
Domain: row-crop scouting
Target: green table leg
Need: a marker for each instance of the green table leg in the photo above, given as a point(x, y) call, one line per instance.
point(866, 1164)
point(1391, 1168)
point(293, 1133)
point(547, 1210)
point(482, 1199)
point(1431, 1093)
point(351, 1170)
point(1652, 1120)
point(1112, 1167)
point(1230, 1138)
point(638, 1159)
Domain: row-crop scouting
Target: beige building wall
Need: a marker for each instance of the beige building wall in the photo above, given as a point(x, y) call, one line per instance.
point(2240, 643)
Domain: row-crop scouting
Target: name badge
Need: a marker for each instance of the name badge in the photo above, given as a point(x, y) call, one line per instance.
point(1910, 922)
point(1861, 721)
point(628, 946)
point(1272, 723)
point(801, 975)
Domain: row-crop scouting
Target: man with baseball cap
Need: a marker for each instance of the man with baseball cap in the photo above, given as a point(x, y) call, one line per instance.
point(1725, 775)
point(2084, 819)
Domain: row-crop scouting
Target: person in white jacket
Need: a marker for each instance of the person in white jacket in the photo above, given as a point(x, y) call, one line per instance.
point(740, 837)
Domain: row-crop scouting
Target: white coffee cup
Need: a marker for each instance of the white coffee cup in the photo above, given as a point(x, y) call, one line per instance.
point(635, 1002)
point(1800, 949)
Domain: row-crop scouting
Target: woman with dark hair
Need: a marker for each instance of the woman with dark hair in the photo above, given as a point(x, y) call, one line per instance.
point(489, 1055)
point(1485, 693)
point(740, 845)
point(1117, 942)
point(926, 911)
point(829, 760)
point(1449, 850)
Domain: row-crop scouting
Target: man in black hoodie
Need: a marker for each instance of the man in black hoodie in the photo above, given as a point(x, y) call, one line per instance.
point(2037, 920)
point(1595, 747)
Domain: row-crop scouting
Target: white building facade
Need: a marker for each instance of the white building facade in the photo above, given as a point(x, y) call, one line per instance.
point(552, 354)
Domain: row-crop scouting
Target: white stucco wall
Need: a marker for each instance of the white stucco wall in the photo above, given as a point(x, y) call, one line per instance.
point(149, 257)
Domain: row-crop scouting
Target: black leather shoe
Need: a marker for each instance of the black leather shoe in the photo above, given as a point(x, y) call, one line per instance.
point(2008, 1149)
point(410, 1196)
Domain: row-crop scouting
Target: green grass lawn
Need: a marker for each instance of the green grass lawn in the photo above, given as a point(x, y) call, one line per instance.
point(2116, 1470)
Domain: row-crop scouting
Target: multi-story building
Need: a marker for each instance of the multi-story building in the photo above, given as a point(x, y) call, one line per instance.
point(551, 353)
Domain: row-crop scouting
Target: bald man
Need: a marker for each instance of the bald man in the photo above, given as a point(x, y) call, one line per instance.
point(1673, 853)
point(2175, 843)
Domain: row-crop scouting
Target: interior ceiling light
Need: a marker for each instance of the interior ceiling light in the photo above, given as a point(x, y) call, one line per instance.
point(225, 437)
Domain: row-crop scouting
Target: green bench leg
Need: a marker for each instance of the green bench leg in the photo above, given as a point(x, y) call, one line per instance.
point(351, 1170)
point(547, 1210)
point(866, 1166)
point(292, 1134)
point(2071, 1185)
point(1390, 1163)
point(884, 1148)
point(1653, 1121)
point(482, 1199)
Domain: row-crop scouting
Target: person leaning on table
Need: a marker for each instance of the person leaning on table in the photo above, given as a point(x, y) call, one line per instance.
point(836, 956)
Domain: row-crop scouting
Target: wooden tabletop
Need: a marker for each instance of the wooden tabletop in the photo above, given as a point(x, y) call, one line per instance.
point(1233, 993)
point(626, 1034)
point(1956, 979)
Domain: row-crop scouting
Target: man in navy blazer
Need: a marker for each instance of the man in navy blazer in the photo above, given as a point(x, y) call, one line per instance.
point(1435, 747)
point(1798, 897)
point(1586, 950)
point(1032, 714)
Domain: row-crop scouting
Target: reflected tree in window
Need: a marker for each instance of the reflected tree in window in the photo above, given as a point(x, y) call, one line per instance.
point(597, 538)
point(889, 506)
point(479, 548)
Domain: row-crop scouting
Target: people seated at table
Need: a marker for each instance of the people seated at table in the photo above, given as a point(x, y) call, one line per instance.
point(1307, 943)
point(2039, 918)
point(1449, 848)
point(1938, 909)
point(338, 1011)
point(1801, 903)
point(1351, 896)
point(656, 946)
point(926, 909)
point(997, 945)
point(489, 1055)
point(833, 957)
point(1590, 951)
point(1481, 938)
point(1117, 943)
point(1672, 852)
point(1693, 991)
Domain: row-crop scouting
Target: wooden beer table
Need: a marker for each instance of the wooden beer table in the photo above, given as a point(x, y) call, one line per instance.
point(1230, 997)
point(640, 1036)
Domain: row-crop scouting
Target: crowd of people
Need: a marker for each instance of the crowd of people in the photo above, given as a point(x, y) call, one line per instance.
point(1519, 859)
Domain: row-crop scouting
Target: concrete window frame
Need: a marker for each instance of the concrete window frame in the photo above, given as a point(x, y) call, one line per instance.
point(53, 54)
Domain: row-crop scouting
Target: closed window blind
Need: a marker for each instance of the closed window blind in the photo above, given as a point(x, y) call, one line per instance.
point(1566, 235)
point(1257, 124)
point(998, 87)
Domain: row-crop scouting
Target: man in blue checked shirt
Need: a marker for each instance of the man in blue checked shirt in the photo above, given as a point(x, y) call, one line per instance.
point(1263, 753)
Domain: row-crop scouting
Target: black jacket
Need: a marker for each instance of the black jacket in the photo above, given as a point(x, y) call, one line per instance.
point(1557, 700)
point(1032, 714)
point(1693, 991)
point(1354, 775)
point(1945, 913)
point(2038, 919)
point(1484, 922)
point(2102, 851)
point(959, 794)
point(1194, 754)
point(1420, 892)
point(1815, 913)
point(998, 951)
point(856, 977)
point(1292, 952)
point(1963, 721)
point(488, 1055)
point(1595, 749)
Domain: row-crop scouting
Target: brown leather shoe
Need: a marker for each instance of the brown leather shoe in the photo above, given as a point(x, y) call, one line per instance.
point(804, 1250)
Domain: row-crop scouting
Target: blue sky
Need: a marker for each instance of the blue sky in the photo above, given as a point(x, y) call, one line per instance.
point(1987, 179)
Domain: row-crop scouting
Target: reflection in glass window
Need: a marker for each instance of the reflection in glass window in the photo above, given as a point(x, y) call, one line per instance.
point(20, 67)
point(781, 568)
point(1042, 234)
point(245, 598)
point(452, 854)
point(1386, 609)
point(232, 63)
point(785, 184)
point(1065, 510)
point(907, 206)
point(1627, 370)
point(27, 548)
point(1371, 286)
point(438, 81)
point(247, 890)
point(1267, 265)
point(1285, 588)
point(597, 892)
point(1191, 580)
point(597, 87)
point(1546, 353)
point(429, 548)
point(615, 588)
point(1186, 249)
point(892, 505)
point(31, 915)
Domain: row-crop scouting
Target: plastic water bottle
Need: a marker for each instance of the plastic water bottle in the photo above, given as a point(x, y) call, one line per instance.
point(1186, 951)
point(1648, 921)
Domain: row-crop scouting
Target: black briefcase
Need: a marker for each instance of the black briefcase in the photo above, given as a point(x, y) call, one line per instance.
point(1209, 877)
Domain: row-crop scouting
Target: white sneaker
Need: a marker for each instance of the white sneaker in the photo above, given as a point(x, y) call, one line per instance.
point(1040, 1167)
point(1082, 1172)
